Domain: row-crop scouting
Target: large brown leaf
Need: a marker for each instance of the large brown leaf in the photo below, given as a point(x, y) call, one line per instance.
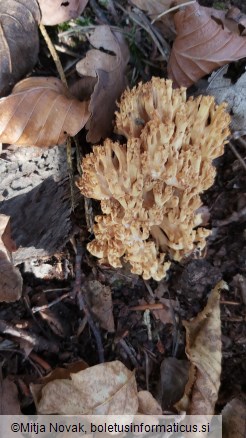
point(110, 73)
point(57, 11)
point(10, 277)
point(108, 388)
point(201, 46)
point(40, 112)
point(19, 42)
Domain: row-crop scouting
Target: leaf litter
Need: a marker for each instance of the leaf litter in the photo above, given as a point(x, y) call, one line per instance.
point(139, 349)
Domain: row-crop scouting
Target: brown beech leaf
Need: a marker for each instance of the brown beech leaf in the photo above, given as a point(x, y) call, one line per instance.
point(58, 11)
point(19, 41)
point(232, 19)
point(40, 112)
point(110, 73)
point(108, 388)
point(203, 348)
point(201, 46)
point(10, 277)
point(234, 419)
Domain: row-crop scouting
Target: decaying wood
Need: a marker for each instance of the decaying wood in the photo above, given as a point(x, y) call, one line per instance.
point(35, 193)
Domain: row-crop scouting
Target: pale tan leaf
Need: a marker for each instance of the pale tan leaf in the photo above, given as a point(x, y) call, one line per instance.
point(19, 41)
point(201, 46)
point(148, 405)
point(100, 298)
point(40, 112)
point(234, 419)
point(10, 277)
point(9, 403)
point(108, 388)
point(203, 348)
point(110, 73)
point(56, 374)
point(57, 11)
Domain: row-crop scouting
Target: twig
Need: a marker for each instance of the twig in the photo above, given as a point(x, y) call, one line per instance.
point(129, 353)
point(138, 17)
point(38, 342)
point(60, 70)
point(98, 12)
point(77, 291)
point(240, 159)
point(48, 305)
point(53, 54)
point(174, 8)
point(148, 306)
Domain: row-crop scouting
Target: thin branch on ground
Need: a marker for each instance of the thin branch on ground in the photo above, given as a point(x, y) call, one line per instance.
point(174, 8)
point(236, 153)
point(139, 18)
point(53, 53)
point(77, 291)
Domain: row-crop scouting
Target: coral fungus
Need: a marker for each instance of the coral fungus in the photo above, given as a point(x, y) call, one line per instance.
point(149, 187)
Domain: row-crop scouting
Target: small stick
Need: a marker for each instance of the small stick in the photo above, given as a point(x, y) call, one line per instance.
point(53, 54)
point(240, 159)
point(174, 8)
point(48, 305)
point(77, 291)
point(38, 342)
point(148, 306)
point(129, 353)
point(230, 303)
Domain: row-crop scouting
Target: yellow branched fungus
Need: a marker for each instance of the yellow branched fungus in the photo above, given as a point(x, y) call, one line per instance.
point(149, 187)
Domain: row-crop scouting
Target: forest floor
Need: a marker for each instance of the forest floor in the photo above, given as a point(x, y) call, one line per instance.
point(141, 339)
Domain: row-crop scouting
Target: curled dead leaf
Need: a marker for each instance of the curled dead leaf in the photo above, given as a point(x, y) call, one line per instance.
point(56, 11)
point(40, 112)
point(110, 73)
point(201, 46)
point(112, 389)
point(10, 277)
point(203, 348)
point(19, 41)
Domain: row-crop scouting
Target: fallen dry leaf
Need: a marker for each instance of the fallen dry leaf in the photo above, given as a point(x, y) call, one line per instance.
point(148, 404)
point(232, 19)
point(174, 375)
point(100, 298)
point(203, 348)
point(10, 277)
point(201, 46)
point(110, 73)
point(58, 11)
point(108, 388)
point(234, 419)
point(9, 403)
point(19, 41)
point(40, 112)
point(234, 94)
point(56, 374)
